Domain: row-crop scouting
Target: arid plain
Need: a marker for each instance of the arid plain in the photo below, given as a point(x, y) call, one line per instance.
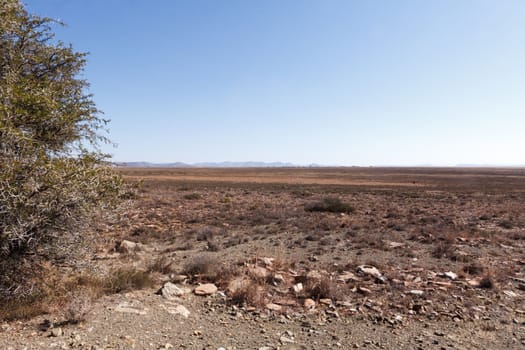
point(310, 258)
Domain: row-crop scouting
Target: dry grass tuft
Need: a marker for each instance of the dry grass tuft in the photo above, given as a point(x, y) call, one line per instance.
point(473, 268)
point(444, 248)
point(163, 265)
point(78, 308)
point(323, 288)
point(22, 309)
point(126, 279)
point(250, 293)
point(192, 196)
point(204, 266)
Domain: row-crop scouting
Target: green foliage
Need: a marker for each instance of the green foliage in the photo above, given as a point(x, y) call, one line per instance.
point(53, 175)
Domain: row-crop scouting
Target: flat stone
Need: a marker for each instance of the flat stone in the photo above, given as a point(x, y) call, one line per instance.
point(129, 309)
point(451, 275)
point(179, 310)
point(274, 307)
point(206, 289)
point(278, 278)
point(297, 288)
point(473, 282)
point(371, 271)
point(309, 303)
point(363, 290)
point(284, 339)
point(395, 245)
point(347, 276)
point(416, 292)
point(510, 293)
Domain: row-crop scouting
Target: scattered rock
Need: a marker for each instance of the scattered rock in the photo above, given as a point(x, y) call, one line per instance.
point(416, 292)
point(450, 275)
point(325, 301)
point(473, 282)
point(297, 288)
point(56, 332)
point(268, 262)
point(179, 310)
point(395, 245)
point(309, 303)
point(130, 309)
point(278, 278)
point(286, 340)
point(363, 290)
point(274, 307)
point(206, 289)
point(170, 291)
point(128, 246)
point(346, 277)
point(371, 271)
point(510, 293)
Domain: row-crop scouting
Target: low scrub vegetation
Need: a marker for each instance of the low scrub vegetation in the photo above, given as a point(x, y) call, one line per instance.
point(331, 205)
point(126, 279)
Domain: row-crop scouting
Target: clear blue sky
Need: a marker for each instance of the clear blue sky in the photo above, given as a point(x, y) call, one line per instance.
point(346, 82)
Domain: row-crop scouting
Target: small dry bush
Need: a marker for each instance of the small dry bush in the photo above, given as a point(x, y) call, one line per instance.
point(127, 278)
point(203, 266)
point(86, 283)
point(77, 309)
point(192, 196)
point(444, 248)
point(331, 205)
point(145, 234)
point(23, 308)
point(324, 288)
point(117, 280)
point(163, 265)
point(207, 233)
point(506, 224)
point(250, 293)
point(473, 268)
point(487, 282)
point(213, 246)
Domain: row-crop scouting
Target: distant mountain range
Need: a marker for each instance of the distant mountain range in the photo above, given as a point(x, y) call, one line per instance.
point(287, 165)
point(212, 165)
